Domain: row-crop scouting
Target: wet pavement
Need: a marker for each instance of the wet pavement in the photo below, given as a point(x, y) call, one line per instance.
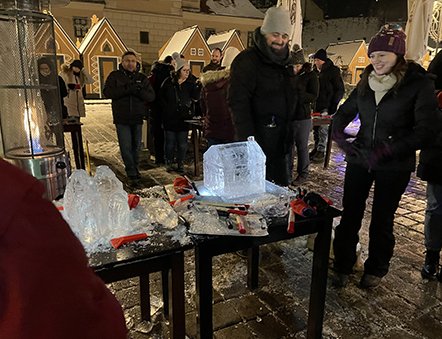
point(403, 306)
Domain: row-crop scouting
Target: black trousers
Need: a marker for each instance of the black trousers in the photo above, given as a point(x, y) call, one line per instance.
point(277, 169)
point(388, 189)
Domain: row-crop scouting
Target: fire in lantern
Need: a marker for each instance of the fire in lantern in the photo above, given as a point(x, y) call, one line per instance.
point(32, 130)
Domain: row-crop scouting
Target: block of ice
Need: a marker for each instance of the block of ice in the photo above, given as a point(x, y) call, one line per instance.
point(96, 208)
point(80, 207)
point(235, 170)
point(114, 209)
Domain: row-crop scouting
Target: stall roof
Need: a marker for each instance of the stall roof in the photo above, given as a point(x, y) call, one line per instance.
point(343, 52)
point(179, 41)
point(93, 30)
point(221, 39)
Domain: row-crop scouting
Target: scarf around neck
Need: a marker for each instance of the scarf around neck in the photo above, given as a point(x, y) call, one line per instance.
point(381, 84)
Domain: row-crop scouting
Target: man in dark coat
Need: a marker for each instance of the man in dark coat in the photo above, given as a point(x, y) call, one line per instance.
point(160, 71)
point(261, 94)
point(129, 90)
point(331, 91)
point(430, 170)
point(215, 60)
point(47, 289)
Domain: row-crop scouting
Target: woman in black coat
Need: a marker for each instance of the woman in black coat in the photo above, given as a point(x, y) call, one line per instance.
point(177, 95)
point(396, 104)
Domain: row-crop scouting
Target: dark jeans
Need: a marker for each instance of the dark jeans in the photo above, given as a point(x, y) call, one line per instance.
point(301, 133)
point(320, 136)
point(388, 189)
point(433, 217)
point(176, 140)
point(129, 140)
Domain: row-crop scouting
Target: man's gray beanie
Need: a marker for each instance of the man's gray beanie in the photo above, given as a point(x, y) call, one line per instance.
point(276, 20)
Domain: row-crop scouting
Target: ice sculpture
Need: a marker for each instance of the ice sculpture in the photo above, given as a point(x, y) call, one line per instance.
point(235, 170)
point(96, 208)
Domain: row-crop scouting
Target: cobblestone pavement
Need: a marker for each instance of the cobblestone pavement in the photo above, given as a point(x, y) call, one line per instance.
point(403, 306)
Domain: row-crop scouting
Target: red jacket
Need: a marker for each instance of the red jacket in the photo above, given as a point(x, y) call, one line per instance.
point(47, 289)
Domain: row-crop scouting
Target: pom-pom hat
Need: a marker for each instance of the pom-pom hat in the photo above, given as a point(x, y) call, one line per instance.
point(388, 39)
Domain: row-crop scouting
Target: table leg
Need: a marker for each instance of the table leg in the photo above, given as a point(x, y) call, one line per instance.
point(329, 146)
point(318, 287)
point(165, 288)
point(204, 295)
point(77, 147)
point(196, 150)
point(252, 267)
point(145, 297)
point(177, 318)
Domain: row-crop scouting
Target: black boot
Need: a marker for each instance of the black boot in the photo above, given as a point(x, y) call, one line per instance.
point(431, 264)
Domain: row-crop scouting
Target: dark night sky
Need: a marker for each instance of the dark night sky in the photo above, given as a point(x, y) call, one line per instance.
point(389, 9)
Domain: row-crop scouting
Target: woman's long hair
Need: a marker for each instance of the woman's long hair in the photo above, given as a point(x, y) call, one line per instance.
point(399, 70)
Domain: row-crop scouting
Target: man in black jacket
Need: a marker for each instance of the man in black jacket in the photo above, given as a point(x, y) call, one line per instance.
point(262, 96)
point(129, 90)
point(215, 60)
point(331, 91)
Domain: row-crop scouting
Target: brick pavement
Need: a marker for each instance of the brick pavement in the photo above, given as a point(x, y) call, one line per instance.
point(403, 306)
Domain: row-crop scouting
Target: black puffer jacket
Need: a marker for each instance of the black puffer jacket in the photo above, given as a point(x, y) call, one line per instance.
point(430, 161)
point(400, 124)
point(331, 88)
point(261, 93)
point(187, 93)
point(307, 87)
point(129, 92)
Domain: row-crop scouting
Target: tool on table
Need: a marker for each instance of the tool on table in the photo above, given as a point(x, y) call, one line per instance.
point(240, 224)
point(181, 185)
point(133, 200)
point(182, 199)
point(118, 242)
point(223, 204)
point(192, 184)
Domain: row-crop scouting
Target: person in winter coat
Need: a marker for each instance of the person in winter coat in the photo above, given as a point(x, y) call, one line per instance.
point(129, 90)
point(215, 60)
point(331, 91)
point(261, 94)
point(218, 126)
point(430, 170)
point(160, 72)
point(177, 95)
point(307, 86)
point(47, 289)
point(75, 77)
point(396, 105)
point(52, 99)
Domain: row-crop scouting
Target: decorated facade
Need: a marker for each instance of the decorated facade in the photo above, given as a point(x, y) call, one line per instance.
point(351, 57)
point(101, 51)
point(191, 44)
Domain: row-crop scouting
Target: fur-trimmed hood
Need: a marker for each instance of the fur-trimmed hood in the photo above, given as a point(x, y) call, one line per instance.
point(210, 77)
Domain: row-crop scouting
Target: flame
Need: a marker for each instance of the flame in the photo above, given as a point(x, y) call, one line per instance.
point(32, 131)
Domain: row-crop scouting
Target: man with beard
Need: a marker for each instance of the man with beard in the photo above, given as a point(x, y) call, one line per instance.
point(215, 60)
point(261, 94)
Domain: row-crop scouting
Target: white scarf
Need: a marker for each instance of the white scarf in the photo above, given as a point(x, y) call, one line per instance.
point(381, 84)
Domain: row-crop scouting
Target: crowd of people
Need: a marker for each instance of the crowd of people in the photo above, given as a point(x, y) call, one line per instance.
point(267, 91)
